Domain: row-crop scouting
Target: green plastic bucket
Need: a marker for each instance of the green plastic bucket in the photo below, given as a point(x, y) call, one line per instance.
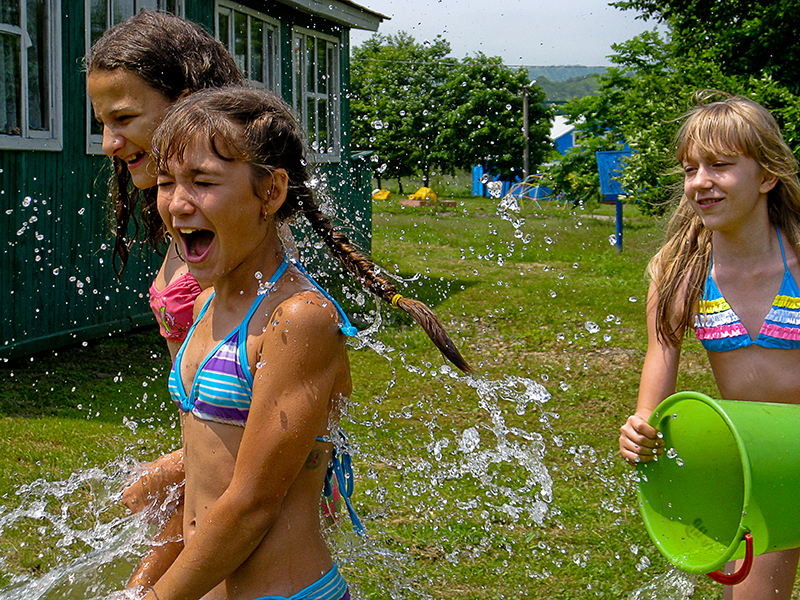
point(729, 468)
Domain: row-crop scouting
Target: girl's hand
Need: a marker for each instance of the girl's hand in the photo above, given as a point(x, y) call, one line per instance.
point(639, 442)
point(153, 481)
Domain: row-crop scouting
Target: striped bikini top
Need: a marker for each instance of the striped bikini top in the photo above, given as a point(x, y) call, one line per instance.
point(719, 328)
point(223, 384)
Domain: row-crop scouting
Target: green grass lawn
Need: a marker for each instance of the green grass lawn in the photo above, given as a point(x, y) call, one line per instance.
point(503, 484)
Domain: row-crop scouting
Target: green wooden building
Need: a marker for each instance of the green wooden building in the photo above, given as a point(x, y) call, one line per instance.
point(57, 284)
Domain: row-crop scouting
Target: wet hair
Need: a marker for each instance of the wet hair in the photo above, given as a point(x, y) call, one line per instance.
point(258, 127)
point(173, 56)
point(731, 126)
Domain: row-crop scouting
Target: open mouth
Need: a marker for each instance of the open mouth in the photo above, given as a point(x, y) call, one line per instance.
point(196, 243)
point(708, 201)
point(135, 160)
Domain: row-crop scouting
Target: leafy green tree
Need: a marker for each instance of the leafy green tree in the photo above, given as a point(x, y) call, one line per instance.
point(395, 89)
point(642, 99)
point(482, 119)
point(575, 174)
point(746, 38)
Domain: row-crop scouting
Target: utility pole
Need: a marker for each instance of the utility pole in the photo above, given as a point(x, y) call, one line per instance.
point(526, 154)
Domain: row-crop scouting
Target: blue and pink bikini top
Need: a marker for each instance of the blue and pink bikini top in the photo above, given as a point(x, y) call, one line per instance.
point(223, 385)
point(719, 328)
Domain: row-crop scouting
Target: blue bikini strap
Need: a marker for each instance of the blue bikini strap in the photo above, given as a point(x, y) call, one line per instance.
point(783, 252)
point(342, 466)
point(347, 328)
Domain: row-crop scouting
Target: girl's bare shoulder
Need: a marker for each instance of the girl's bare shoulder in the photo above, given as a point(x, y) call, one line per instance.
point(307, 314)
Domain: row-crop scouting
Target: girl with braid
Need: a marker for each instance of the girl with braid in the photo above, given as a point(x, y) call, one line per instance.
point(263, 373)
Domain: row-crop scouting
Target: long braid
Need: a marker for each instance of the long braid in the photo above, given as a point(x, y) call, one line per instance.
point(365, 271)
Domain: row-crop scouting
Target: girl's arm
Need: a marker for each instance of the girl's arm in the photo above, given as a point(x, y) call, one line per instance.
point(154, 481)
point(302, 355)
point(638, 441)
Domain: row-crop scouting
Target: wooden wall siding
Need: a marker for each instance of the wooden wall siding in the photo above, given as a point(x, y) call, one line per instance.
point(57, 284)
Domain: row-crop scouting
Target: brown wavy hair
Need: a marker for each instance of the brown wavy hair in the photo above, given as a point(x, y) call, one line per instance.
point(258, 127)
point(175, 57)
point(732, 125)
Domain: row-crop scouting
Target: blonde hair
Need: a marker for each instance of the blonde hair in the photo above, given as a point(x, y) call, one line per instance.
point(732, 126)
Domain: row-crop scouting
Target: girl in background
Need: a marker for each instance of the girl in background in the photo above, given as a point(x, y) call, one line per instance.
point(136, 71)
point(729, 270)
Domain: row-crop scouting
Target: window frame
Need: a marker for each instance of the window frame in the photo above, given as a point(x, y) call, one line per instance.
point(271, 72)
point(94, 141)
point(52, 137)
point(301, 95)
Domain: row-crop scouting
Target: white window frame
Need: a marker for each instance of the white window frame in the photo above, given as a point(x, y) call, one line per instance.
point(271, 69)
point(94, 141)
point(301, 95)
point(50, 138)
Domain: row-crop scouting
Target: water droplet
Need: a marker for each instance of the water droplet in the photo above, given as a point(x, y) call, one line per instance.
point(470, 440)
point(592, 327)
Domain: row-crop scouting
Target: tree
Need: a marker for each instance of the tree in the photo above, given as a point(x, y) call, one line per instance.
point(575, 174)
point(395, 86)
point(642, 100)
point(482, 118)
point(420, 110)
point(746, 38)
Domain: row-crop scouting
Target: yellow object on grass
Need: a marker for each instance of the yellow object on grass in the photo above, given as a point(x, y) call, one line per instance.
point(424, 193)
point(381, 194)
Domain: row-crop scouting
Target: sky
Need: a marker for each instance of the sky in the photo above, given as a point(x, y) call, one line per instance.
point(521, 32)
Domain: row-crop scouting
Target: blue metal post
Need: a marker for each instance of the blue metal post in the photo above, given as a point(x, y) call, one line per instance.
point(619, 225)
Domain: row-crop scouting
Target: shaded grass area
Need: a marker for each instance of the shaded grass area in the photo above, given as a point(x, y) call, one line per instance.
point(543, 301)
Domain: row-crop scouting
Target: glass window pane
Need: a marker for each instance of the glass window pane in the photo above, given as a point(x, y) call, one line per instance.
point(297, 70)
point(146, 4)
point(99, 17)
point(38, 108)
point(333, 67)
point(121, 10)
point(223, 23)
point(11, 96)
point(322, 67)
point(322, 136)
point(310, 65)
point(271, 58)
point(9, 12)
point(312, 125)
point(240, 40)
point(257, 50)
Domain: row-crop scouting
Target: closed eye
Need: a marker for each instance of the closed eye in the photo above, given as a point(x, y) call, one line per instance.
point(164, 182)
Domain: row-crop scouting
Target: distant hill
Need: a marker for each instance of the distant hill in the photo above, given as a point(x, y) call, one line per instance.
point(562, 73)
point(561, 84)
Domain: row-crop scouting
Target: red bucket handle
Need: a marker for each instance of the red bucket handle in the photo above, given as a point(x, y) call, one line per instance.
point(743, 572)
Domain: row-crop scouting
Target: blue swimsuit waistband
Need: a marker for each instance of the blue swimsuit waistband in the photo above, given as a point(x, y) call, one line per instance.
point(330, 586)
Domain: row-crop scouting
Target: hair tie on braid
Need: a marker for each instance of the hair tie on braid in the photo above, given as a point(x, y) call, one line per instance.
point(396, 300)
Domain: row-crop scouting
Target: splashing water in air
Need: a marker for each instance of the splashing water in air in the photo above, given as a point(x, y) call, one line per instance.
point(480, 480)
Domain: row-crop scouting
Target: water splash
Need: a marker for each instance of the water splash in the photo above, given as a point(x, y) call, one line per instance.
point(672, 585)
point(94, 545)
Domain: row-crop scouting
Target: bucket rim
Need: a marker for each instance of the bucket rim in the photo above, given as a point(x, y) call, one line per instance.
point(725, 556)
